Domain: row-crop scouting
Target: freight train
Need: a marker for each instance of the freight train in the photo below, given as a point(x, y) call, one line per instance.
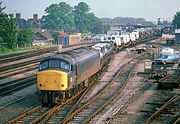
point(63, 75)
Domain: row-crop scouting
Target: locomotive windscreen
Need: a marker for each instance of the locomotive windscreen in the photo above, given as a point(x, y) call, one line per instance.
point(54, 63)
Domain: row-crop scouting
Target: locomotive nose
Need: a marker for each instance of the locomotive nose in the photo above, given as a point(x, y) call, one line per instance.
point(52, 80)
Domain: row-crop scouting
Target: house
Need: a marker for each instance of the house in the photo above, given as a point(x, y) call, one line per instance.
point(34, 22)
point(21, 23)
point(42, 37)
point(29, 23)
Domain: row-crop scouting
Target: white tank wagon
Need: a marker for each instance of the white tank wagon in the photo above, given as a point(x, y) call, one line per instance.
point(132, 37)
point(125, 38)
point(136, 33)
point(116, 39)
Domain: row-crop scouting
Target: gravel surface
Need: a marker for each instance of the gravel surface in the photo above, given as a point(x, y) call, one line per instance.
point(117, 61)
point(125, 109)
point(18, 76)
point(17, 103)
point(116, 105)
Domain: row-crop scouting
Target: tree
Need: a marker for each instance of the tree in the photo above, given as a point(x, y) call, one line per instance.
point(63, 16)
point(80, 16)
point(8, 30)
point(95, 25)
point(24, 38)
point(176, 19)
point(1, 19)
point(9, 36)
point(55, 36)
point(86, 21)
point(58, 16)
point(1, 8)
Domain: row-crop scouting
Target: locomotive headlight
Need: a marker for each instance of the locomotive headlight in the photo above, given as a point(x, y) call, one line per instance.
point(71, 79)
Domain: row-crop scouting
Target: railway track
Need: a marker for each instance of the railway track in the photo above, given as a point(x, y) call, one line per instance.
point(176, 119)
point(9, 70)
point(57, 113)
point(87, 110)
point(38, 59)
point(169, 81)
point(18, 70)
point(31, 53)
point(20, 64)
point(64, 108)
point(41, 113)
point(26, 54)
point(163, 109)
point(30, 115)
point(47, 115)
point(9, 87)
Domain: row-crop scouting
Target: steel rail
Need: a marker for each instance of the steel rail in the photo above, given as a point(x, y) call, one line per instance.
point(177, 120)
point(14, 85)
point(25, 63)
point(162, 108)
point(45, 117)
point(64, 113)
point(25, 117)
point(110, 100)
point(14, 71)
point(30, 112)
point(66, 120)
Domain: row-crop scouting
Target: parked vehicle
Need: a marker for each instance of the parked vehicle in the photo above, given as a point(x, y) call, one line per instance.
point(168, 58)
point(167, 51)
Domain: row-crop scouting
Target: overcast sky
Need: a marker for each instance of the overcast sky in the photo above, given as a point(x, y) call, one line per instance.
point(148, 9)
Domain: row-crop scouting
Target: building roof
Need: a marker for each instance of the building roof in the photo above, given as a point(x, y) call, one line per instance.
point(40, 34)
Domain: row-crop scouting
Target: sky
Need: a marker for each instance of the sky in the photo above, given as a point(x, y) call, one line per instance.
point(151, 10)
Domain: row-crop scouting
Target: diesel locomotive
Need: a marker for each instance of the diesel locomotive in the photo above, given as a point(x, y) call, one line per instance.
point(63, 75)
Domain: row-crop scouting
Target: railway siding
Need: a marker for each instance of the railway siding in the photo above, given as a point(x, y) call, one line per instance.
point(109, 73)
point(92, 107)
point(132, 87)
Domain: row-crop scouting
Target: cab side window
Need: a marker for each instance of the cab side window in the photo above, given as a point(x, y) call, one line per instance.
point(43, 65)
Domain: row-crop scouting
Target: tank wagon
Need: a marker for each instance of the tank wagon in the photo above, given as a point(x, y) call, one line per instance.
point(130, 38)
point(63, 75)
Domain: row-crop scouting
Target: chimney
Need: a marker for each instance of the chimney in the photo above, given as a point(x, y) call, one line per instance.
point(35, 16)
point(18, 16)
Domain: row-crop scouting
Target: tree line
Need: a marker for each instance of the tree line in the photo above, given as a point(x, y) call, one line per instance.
point(62, 16)
point(10, 35)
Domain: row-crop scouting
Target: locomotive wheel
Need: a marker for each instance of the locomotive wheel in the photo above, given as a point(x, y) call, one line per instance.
point(75, 90)
point(68, 94)
point(50, 98)
point(44, 98)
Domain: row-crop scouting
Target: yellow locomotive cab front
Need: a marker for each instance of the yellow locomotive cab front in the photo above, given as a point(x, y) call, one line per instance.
point(52, 80)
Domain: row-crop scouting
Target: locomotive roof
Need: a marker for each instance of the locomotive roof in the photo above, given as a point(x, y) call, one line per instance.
point(76, 55)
